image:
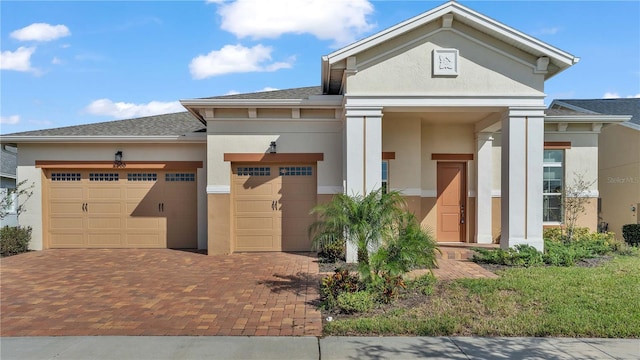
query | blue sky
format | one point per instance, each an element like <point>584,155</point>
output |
<point>79,62</point>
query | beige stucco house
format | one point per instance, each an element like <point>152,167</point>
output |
<point>446,107</point>
<point>618,159</point>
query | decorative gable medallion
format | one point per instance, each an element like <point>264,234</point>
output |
<point>445,62</point>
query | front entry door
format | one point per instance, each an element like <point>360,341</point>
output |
<point>451,201</point>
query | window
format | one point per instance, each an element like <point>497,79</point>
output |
<point>385,176</point>
<point>296,171</point>
<point>553,186</point>
<point>65,176</point>
<point>104,176</point>
<point>142,176</point>
<point>188,177</point>
<point>254,171</point>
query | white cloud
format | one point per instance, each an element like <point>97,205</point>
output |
<point>19,60</point>
<point>340,21</point>
<point>41,32</point>
<point>548,31</point>
<point>268,88</point>
<point>236,59</point>
<point>615,95</point>
<point>232,92</point>
<point>122,110</point>
<point>10,120</point>
<point>56,60</point>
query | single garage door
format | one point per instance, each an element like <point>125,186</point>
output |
<point>121,209</point>
<point>271,206</point>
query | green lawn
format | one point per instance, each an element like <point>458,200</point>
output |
<point>602,301</point>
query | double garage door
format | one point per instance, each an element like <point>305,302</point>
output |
<point>121,209</point>
<point>271,205</point>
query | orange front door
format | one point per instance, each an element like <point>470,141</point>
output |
<point>451,201</point>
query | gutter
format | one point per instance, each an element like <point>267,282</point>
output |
<point>102,139</point>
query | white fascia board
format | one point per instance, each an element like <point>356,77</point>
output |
<point>631,125</point>
<point>586,119</point>
<point>444,101</point>
<point>103,139</point>
<point>312,101</point>
<point>570,107</point>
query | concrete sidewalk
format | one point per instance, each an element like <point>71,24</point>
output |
<point>263,347</point>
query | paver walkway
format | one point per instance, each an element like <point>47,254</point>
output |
<point>158,292</point>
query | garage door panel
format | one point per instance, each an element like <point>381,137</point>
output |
<point>104,240</point>
<point>111,191</point>
<point>254,223</point>
<point>104,223</point>
<point>67,193</point>
<point>66,208</point>
<point>143,223</point>
<point>256,243</point>
<point>104,208</point>
<point>59,223</point>
<point>149,240</point>
<point>249,206</point>
<point>67,240</point>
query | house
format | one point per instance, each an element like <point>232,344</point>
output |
<point>8,182</point>
<point>618,159</point>
<point>447,107</point>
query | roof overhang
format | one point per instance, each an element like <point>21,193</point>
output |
<point>317,101</point>
<point>12,140</point>
<point>587,118</point>
<point>459,13</point>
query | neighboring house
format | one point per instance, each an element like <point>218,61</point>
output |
<point>447,107</point>
<point>8,157</point>
<point>618,159</point>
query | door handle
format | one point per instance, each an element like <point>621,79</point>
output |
<point>162,206</point>
<point>461,213</point>
<point>159,207</point>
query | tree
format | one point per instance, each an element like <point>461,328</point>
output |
<point>574,200</point>
<point>20,194</point>
<point>376,223</point>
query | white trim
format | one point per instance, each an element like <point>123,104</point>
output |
<point>105,139</point>
<point>429,193</point>
<point>440,101</point>
<point>329,190</point>
<point>631,125</point>
<point>409,192</point>
<point>218,189</point>
<point>496,193</point>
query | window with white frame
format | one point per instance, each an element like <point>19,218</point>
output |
<point>553,186</point>
<point>385,176</point>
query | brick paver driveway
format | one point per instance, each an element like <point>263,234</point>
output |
<point>158,292</point>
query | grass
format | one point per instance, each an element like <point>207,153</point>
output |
<point>601,301</point>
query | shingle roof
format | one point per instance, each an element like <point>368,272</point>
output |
<point>159,125</point>
<point>564,112</point>
<point>629,106</point>
<point>8,163</point>
<point>295,93</point>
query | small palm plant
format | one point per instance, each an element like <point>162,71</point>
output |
<point>369,222</point>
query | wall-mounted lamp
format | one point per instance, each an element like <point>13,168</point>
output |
<point>272,147</point>
<point>118,158</point>
<point>633,208</point>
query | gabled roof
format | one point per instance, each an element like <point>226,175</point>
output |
<point>152,128</point>
<point>294,93</point>
<point>629,106</point>
<point>332,77</point>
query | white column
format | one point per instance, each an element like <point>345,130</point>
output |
<point>521,182</point>
<point>363,155</point>
<point>484,174</point>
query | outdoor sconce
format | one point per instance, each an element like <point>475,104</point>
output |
<point>272,147</point>
<point>118,158</point>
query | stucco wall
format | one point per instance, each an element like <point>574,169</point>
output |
<point>404,66</point>
<point>619,174</point>
<point>29,153</point>
<point>402,134</point>
<point>291,136</point>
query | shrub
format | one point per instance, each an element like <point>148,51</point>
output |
<point>14,240</point>
<point>333,251</point>
<point>341,281</point>
<point>631,234</point>
<point>352,302</point>
<point>387,286</point>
